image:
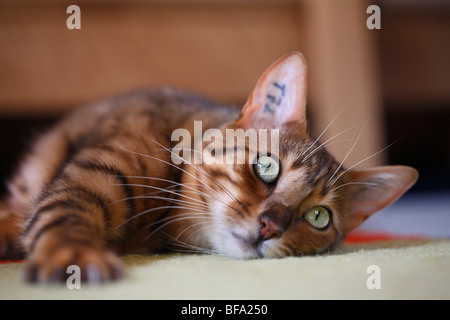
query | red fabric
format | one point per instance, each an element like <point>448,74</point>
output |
<point>11,261</point>
<point>360,237</point>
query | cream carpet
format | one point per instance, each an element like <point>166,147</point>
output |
<point>407,270</point>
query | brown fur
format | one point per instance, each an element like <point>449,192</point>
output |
<point>102,183</point>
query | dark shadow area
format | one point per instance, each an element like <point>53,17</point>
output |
<point>422,140</point>
<point>16,137</point>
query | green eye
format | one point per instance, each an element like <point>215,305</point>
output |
<point>318,217</point>
<point>267,169</point>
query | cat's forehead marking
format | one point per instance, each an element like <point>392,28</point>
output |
<point>306,177</point>
<point>292,182</point>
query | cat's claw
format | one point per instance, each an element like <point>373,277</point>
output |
<point>92,266</point>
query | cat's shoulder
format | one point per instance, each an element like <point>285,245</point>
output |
<point>164,96</point>
<point>161,98</point>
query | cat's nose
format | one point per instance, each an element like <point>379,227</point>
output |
<point>268,228</point>
<point>274,221</point>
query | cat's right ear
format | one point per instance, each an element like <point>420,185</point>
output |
<point>370,190</point>
<point>279,95</point>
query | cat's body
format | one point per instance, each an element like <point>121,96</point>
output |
<point>103,181</point>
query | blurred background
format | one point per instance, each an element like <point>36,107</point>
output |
<point>390,86</point>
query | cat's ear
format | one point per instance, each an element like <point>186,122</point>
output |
<point>279,95</point>
<point>371,190</point>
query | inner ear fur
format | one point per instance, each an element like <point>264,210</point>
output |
<point>279,95</point>
<point>370,190</point>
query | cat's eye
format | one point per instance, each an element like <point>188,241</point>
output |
<point>267,169</point>
<point>318,217</point>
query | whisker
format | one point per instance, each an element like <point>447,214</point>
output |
<point>194,250</point>
<point>172,165</point>
<point>324,143</point>
<point>191,249</point>
<point>198,169</point>
<point>161,198</point>
<point>194,225</point>
<point>171,221</point>
<point>152,210</point>
<point>174,217</point>
<point>181,158</point>
<point>332,121</point>
<point>323,146</point>
<point>192,190</point>
<point>351,183</point>
<point>351,147</point>
<point>159,192</point>
<point>205,204</point>
<point>218,184</point>
<point>175,184</point>
<point>186,245</point>
<point>359,162</point>
<point>157,188</point>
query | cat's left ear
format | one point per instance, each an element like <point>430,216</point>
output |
<point>279,95</point>
<point>371,190</point>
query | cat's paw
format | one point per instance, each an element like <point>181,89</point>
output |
<point>94,265</point>
<point>10,248</point>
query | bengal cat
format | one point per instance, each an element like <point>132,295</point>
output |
<point>105,182</point>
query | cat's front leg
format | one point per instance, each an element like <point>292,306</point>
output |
<point>54,253</point>
<point>10,230</point>
<point>69,226</point>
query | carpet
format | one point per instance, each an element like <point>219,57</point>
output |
<point>401,269</point>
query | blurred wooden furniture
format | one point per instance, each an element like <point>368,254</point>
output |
<point>212,47</point>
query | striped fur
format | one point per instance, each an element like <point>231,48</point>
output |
<point>102,183</point>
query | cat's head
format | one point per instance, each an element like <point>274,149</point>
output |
<point>297,199</point>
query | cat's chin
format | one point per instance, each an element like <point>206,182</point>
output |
<point>245,249</point>
<point>236,246</point>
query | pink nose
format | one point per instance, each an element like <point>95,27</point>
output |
<point>268,228</point>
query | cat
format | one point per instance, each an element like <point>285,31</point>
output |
<point>103,183</point>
